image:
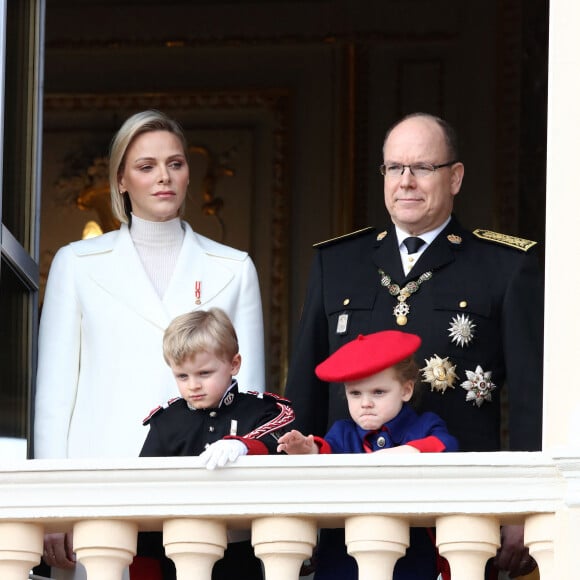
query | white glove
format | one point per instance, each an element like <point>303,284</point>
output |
<point>222,452</point>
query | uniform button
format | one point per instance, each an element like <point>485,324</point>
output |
<point>346,302</point>
<point>212,414</point>
<point>211,428</point>
<point>463,304</point>
<point>381,441</point>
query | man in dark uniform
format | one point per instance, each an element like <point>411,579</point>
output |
<point>475,299</point>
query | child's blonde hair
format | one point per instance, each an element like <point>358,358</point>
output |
<point>200,331</point>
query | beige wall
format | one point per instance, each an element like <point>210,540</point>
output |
<point>562,331</point>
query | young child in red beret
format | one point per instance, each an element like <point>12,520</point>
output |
<point>379,374</point>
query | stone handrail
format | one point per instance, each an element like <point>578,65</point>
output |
<point>284,500</point>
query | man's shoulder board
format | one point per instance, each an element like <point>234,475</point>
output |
<point>511,241</point>
<point>348,236</point>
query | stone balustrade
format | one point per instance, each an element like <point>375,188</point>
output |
<point>283,501</point>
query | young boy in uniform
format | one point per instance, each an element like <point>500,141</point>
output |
<point>212,418</point>
<point>379,374</point>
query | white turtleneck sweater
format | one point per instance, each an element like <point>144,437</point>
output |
<point>158,245</point>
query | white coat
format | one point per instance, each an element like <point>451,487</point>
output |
<point>101,367</point>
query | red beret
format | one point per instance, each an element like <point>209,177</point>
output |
<point>367,355</point>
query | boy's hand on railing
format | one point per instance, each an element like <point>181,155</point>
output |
<point>222,452</point>
<point>399,450</point>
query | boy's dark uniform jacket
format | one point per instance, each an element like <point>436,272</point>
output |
<point>176,430</point>
<point>497,287</point>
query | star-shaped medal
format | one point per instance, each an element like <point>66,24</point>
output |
<point>461,331</point>
<point>439,373</point>
<point>478,386</point>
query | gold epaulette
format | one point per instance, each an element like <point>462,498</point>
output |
<point>344,237</point>
<point>511,241</point>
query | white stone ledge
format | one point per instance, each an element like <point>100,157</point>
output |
<point>324,487</point>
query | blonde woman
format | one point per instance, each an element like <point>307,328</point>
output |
<point>109,299</point>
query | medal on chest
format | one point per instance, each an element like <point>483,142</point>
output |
<point>198,292</point>
<point>478,386</point>
<point>402,309</point>
<point>439,373</point>
<point>462,330</point>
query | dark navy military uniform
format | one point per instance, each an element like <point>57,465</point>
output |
<point>176,430</point>
<point>497,288</point>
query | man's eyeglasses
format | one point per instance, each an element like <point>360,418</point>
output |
<point>416,169</point>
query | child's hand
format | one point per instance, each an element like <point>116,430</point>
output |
<point>294,443</point>
<point>222,452</point>
<point>399,449</point>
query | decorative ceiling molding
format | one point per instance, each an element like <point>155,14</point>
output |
<point>216,38</point>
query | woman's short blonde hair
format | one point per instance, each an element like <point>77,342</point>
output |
<point>200,331</point>
<point>137,124</point>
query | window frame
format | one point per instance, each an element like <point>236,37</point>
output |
<point>21,256</point>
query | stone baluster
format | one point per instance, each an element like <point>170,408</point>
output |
<point>194,545</point>
<point>21,548</point>
<point>467,542</point>
<point>376,542</point>
<point>539,533</point>
<point>105,547</point>
<point>283,543</point>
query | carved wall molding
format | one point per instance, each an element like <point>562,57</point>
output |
<point>168,42</point>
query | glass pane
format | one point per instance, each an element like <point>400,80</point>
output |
<point>19,194</point>
<point>15,347</point>
<point>18,133</point>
